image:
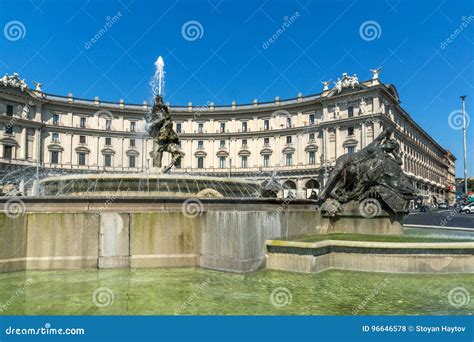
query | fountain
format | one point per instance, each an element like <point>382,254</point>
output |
<point>157,182</point>
<point>158,218</point>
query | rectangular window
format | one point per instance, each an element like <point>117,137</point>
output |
<point>82,123</point>
<point>244,126</point>
<point>200,144</point>
<point>244,161</point>
<point>350,111</point>
<point>108,160</point>
<point>266,160</point>
<point>350,131</point>
<point>55,119</point>
<point>108,141</point>
<point>200,127</point>
<point>81,158</point>
<point>133,125</point>
<point>288,139</point>
<point>288,122</point>
<point>244,143</point>
<point>222,162</point>
<point>9,110</point>
<point>55,137</point>
<point>311,157</point>
<point>132,142</point>
<point>82,139</point>
<point>222,127</point>
<point>289,159</point>
<point>54,157</point>
<point>200,162</point>
<point>266,125</point>
<point>311,136</point>
<point>350,149</point>
<point>7,151</point>
<point>108,125</point>
<point>8,129</point>
<point>178,128</point>
<point>311,119</point>
<point>266,141</point>
<point>222,144</point>
<point>131,161</point>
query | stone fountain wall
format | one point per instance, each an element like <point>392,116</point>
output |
<point>224,235</point>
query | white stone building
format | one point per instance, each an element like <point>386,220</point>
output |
<point>296,141</point>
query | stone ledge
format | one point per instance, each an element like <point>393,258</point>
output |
<point>392,257</point>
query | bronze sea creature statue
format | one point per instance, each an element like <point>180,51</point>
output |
<point>160,127</point>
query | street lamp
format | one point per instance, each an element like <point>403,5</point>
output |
<point>463,97</point>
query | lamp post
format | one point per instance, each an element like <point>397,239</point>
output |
<point>463,97</point>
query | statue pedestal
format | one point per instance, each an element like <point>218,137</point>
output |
<point>353,220</point>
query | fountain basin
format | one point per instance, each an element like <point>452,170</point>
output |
<point>144,184</point>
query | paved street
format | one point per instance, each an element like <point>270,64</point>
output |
<point>442,218</point>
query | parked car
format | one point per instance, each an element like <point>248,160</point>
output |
<point>468,208</point>
<point>443,206</point>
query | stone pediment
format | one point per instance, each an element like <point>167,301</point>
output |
<point>55,147</point>
<point>131,152</point>
<point>311,147</point>
<point>9,141</point>
<point>350,142</point>
<point>82,149</point>
<point>266,151</point>
<point>107,151</point>
<point>244,152</point>
<point>200,153</point>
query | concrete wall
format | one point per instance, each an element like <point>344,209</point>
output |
<point>231,240</point>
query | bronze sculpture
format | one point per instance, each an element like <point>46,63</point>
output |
<point>160,127</point>
<point>372,173</point>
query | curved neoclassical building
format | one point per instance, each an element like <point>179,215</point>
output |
<point>295,141</point>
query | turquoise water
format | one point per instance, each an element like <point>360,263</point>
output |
<point>204,292</point>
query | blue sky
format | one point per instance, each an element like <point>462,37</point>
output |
<point>231,58</point>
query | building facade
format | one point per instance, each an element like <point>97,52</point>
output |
<point>295,141</point>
